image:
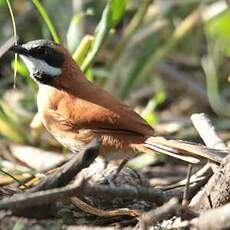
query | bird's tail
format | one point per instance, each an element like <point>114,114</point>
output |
<point>187,151</point>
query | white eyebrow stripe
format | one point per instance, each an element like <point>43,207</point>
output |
<point>32,63</point>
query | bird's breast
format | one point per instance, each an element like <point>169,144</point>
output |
<point>45,103</point>
<point>73,144</point>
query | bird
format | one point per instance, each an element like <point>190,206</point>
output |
<point>75,111</point>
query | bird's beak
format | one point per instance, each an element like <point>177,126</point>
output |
<point>19,49</point>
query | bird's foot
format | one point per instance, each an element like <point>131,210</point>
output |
<point>98,167</point>
<point>118,170</point>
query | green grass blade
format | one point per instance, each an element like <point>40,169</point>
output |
<point>15,37</point>
<point>47,20</point>
<point>14,178</point>
<point>10,127</point>
<point>10,133</point>
<point>111,15</point>
<point>129,31</point>
<point>82,50</point>
<point>180,32</point>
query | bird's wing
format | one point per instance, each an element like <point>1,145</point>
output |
<point>100,112</point>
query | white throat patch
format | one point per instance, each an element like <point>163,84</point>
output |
<point>33,63</point>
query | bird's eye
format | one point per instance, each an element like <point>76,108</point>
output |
<point>41,50</point>
<point>46,51</point>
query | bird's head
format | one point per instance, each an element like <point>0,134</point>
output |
<point>45,60</point>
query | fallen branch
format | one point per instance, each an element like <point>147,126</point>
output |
<point>50,196</point>
<point>166,211</point>
<point>64,174</point>
<point>206,131</point>
<point>59,178</point>
<point>216,191</point>
<point>214,219</point>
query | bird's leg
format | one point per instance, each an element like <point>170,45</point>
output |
<point>120,167</point>
<point>101,164</point>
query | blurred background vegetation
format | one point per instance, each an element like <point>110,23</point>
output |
<point>166,58</point>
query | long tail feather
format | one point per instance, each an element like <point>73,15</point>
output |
<point>170,152</point>
<point>187,151</point>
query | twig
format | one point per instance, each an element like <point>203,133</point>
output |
<point>167,210</point>
<point>6,46</point>
<point>186,191</point>
<point>195,178</point>
<point>68,171</point>
<point>98,212</point>
<point>206,131</point>
<point>194,186</point>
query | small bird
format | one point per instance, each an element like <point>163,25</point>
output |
<point>75,111</point>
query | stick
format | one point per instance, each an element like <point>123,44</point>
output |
<point>166,211</point>
<point>206,131</point>
<point>216,192</point>
<point>62,176</point>
<point>214,219</point>
<point>59,178</point>
<point>7,45</point>
<point>53,195</point>
<point>108,213</point>
<point>70,169</point>
<point>186,191</point>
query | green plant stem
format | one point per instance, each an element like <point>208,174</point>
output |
<point>47,20</point>
<point>183,29</point>
<point>111,15</point>
<point>98,41</point>
<point>130,30</point>
<point>15,39</point>
<point>12,130</point>
<point>218,105</point>
<point>14,178</point>
<point>83,49</point>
